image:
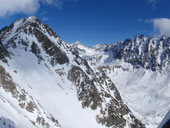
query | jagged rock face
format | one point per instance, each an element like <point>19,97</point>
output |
<point>110,115</point>
<point>87,91</point>
<point>148,52</point>
<point>3,53</point>
<point>57,55</point>
<point>100,93</point>
<point>33,27</point>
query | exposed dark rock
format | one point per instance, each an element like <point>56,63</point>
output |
<point>57,55</point>
<point>30,107</point>
<point>3,53</point>
<point>50,31</point>
<point>114,112</point>
<point>86,89</point>
<point>36,51</point>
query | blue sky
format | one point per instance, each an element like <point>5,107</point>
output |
<point>93,21</point>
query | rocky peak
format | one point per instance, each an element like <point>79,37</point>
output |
<point>28,26</point>
<point>99,47</point>
<point>148,52</point>
<point>29,33</point>
<point>76,43</point>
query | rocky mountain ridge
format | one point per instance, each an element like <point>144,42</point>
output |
<point>140,51</point>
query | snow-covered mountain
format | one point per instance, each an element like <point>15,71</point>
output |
<point>44,83</point>
<point>140,68</point>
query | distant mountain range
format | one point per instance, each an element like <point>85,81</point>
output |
<point>139,67</point>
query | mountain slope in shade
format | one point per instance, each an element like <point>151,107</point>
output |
<point>140,69</point>
<point>165,122</point>
<point>6,123</point>
<point>45,83</point>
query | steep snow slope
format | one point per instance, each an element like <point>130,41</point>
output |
<point>50,86</point>
<point>140,69</point>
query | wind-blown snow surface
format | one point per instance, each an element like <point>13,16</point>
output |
<point>145,91</point>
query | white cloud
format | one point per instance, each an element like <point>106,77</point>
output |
<point>10,7</point>
<point>162,26</point>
